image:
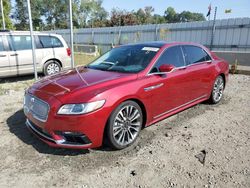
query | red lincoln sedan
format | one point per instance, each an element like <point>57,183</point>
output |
<point>126,89</point>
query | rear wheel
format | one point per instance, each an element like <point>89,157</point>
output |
<point>124,125</point>
<point>218,89</point>
<point>52,67</point>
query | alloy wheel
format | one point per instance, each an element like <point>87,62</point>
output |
<point>218,89</point>
<point>127,125</point>
<point>53,68</point>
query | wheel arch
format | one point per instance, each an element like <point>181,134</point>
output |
<point>224,78</point>
<point>143,108</point>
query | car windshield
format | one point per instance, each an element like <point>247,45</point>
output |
<point>125,59</point>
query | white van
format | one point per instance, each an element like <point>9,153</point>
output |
<point>52,53</point>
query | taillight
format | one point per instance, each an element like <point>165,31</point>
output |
<point>68,51</point>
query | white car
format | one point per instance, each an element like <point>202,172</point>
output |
<point>52,53</point>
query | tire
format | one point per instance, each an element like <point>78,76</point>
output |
<point>124,125</point>
<point>52,67</point>
<point>217,92</point>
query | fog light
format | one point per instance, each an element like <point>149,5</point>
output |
<point>73,138</point>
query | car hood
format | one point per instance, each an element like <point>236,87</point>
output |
<point>74,79</point>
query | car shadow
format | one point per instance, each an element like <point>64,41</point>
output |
<point>16,124</point>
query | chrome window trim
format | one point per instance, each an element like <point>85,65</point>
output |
<point>173,109</point>
<point>200,62</point>
<point>183,56</point>
<point>33,115</point>
<point>185,63</point>
<point>161,73</point>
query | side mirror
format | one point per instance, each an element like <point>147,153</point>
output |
<point>166,68</point>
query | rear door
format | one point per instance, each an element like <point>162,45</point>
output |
<point>4,59</point>
<point>199,68</point>
<point>51,46</point>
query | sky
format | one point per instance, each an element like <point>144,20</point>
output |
<point>240,8</point>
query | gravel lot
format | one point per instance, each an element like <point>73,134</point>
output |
<point>170,153</point>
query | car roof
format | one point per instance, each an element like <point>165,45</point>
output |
<point>26,32</point>
<point>160,44</point>
<point>156,44</point>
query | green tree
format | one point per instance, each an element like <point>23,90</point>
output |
<point>140,16</point>
<point>144,16</point>
<point>91,14</point>
<point>122,18</point>
<point>170,15</point>
<point>187,16</point>
<point>56,14</point>
<point>21,17</point>
<point>98,17</point>
<point>6,10</point>
<point>158,19</point>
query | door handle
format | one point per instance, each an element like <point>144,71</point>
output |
<point>209,61</point>
<point>3,55</point>
<point>13,54</point>
<point>153,87</point>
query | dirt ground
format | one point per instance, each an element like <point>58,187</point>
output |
<point>167,154</point>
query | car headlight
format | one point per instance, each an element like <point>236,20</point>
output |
<point>80,108</point>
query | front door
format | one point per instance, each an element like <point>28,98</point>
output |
<point>168,91</point>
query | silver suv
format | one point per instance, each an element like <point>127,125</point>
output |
<point>52,53</point>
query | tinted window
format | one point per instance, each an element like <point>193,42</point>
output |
<point>20,42</point>
<point>172,55</point>
<point>1,44</point>
<point>50,42</point>
<point>195,54</point>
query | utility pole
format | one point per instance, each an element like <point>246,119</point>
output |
<point>71,34</point>
<point>32,40</point>
<point>213,29</point>
<point>2,15</point>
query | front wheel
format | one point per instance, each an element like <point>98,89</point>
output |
<point>217,91</point>
<point>124,125</point>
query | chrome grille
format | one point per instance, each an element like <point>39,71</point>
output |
<point>38,108</point>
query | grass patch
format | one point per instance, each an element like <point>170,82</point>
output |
<point>83,59</point>
<point>23,82</point>
<point>3,91</point>
<point>15,85</point>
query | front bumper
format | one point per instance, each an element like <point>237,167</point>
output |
<point>68,131</point>
<point>53,132</point>
<point>63,142</point>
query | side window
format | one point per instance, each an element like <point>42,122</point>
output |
<point>172,55</point>
<point>195,54</point>
<point>50,42</point>
<point>1,44</point>
<point>20,42</point>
